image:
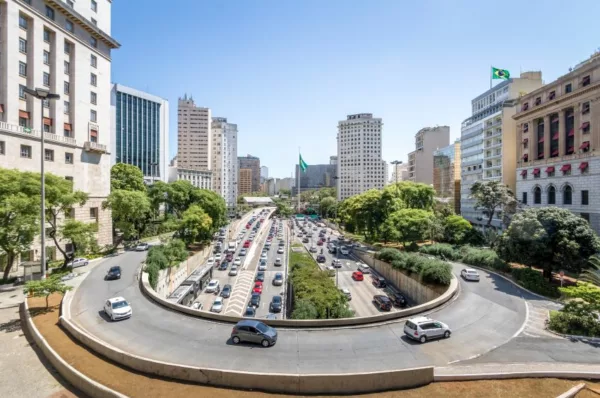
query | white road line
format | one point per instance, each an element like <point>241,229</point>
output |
<point>518,332</point>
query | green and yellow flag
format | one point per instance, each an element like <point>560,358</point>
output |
<point>302,164</point>
<point>500,73</point>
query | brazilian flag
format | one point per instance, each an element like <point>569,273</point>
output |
<point>302,164</point>
<point>500,74</point>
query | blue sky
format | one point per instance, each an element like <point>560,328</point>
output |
<point>287,71</point>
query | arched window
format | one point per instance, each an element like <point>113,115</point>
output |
<point>537,196</point>
<point>551,195</point>
<point>568,195</point>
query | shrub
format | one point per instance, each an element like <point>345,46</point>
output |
<point>152,271</point>
<point>443,250</point>
<point>388,255</point>
<point>485,258</point>
<point>436,272</point>
<point>534,281</point>
<point>568,323</point>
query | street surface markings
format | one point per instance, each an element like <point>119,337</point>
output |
<point>239,296</point>
<point>538,314</point>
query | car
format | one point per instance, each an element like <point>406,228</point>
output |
<point>262,266</point>
<point>113,273</point>
<point>78,262</point>
<point>321,259</point>
<point>117,308</point>
<point>423,328</point>
<point>251,239</point>
<point>346,292</point>
<point>218,257</point>
<point>226,292</point>
<point>280,250</point>
<point>252,331</point>
<point>217,305</point>
<point>313,249</point>
<point>333,250</point>
<point>281,243</point>
<point>247,225</point>
<point>364,268</point>
<point>305,240</point>
<point>470,274</point>
<point>278,262</point>
<point>397,299</point>
<point>263,255</point>
<point>344,250</point>
<point>237,261</point>
<point>250,312</point>
<point>254,300</point>
<point>358,276</point>
<point>336,263</point>
<point>258,288</point>
<point>320,243</point>
<point>260,276</point>
<point>223,266</point>
<point>213,286</point>
<point>299,233</point>
<point>229,257</point>
<point>382,302</point>
<point>142,247</point>
<point>247,244</point>
<point>378,281</point>
<point>197,306</point>
<point>278,279</point>
<point>243,252</point>
<point>233,271</point>
<point>276,304</point>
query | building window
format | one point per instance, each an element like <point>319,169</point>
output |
<point>93,115</point>
<point>67,47</point>
<point>94,213</point>
<point>68,158</point>
<point>49,155</point>
<point>525,106</point>
<point>22,22</point>
<point>537,196</point>
<point>93,79</point>
<point>22,69</point>
<point>94,5</point>
<point>585,127</point>
<point>93,42</point>
<point>524,199</point>
<point>46,79</point>
<point>552,95</point>
<point>67,88</point>
<point>568,88</point>
<point>50,12</point>
<point>23,121</point>
<point>585,108</point>
<point>585,81</point>
<point>46,103</point>
<point>93,97</point>
<point>2,148</point>
<point>26,151</point>
<point>93,61</point>
<point>584,167</point>
<point>23,45</point>
<point>551,195</point>
<point>46,57</point>
<point>67,68</point>
<point>66,106</point>
<point>568,195</point>
<point>46,35</point>
<point>585,197</point>
<point>94,22</point>
<point>538,100</point>
<point>46,127</point>
<point>69,26</point>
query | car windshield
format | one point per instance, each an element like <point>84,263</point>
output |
<point>113,269</point>
<point>262,327</point>
<point>249,311</point>
<point>276,299</point>
<point>119,304</point>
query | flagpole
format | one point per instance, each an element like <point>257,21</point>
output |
<point>491,75</point>
<point>298,178</point>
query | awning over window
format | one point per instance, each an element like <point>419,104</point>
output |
<point>583,166</point>
<point>585,145</point>
<point>536,172</point>
<point>585,125</point>
<point>571,133</point>
<point>570,149</point>
<point>67,126</point>
<point>550,169</point>
<point>525,157</point>
<point>565,167</point>
<point>555,136</point>
<point>541,140</point>
<point>526,140</point>
<point>47,121</point>
<point>24,115</point>
<point>555,152</point>
<point>523,173</point>
<point>94,133</point>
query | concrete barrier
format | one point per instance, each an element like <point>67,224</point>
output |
<point>351,383</point>
<point>69,373</point>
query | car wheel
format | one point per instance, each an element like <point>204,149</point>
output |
<point>112,318</point>
<point>236,340</point>
<point>265,343</point>
<point>423,339</point>
<point>446,334</point>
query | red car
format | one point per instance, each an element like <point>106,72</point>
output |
<point>229,258</point>
<point>247,244</point>
<point>257,288</point>
<point>358,276</point>
<point>247,225</point>
<point>319,243</point>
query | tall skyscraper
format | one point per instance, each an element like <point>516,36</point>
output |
<point>245,182</point>
<point>420,161</point>
<point>359,166</point>
<point>140,131</point>
<point>488,140</point>
<point>446,175</point>
<point>194,136</point>
<point>65,49</point>
<point>264,173</point>
<point>252,163</point>
<point>224,160</point>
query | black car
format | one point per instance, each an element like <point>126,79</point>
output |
<point>275,304</point>
<point>305,240</point>
<point>321,258</point>
<point>226,292</point>
<point>260,276</point>
<point>397,299</point>
<point>382,302</point>
<point>250,312</point>
<point>113,273</point>
<point>254,300</point>
<point>379,282</point>
<point>333,250</point>
<point>223,266</point>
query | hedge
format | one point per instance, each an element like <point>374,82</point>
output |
<point>533,280</point>
<point>430,270</point>
<point>485,258</point>
<point>567,323</point>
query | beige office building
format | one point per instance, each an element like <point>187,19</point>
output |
<point>446,175</point>
<point>558,133</point>
<point>245,182</point>
<point>65,48</point>
<point>194,136</point>
<point>420,161</point>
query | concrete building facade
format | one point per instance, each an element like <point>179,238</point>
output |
<point>316,176</point>
<point>488,141</point>
<point>140,131</point>
<point>446,175</point>
<point>360,166</point>
<point>420,161</point>
<point>333,160</point>
<point>287,183</point>
<point>245,181</point>
<point>199,178</point>
<point>194,136</point>
<point>65,48</point>
<point>224,160</point>
<point>252,163</point>
<point>558,138</point>
<point>264,173</point>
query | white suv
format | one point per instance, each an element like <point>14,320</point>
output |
<point>423,329</point>
<point>212,287</point>
<point>117,308</point>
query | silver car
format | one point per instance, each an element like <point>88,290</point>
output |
<point>423,329</point>
<point>470,274</point>
<point>253,332</point>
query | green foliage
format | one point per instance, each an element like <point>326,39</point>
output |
<point>46,287</point>
<point>162,257</point>
<point>80,234</point>
<point>571,323</point>
<point>283,209</point>
<point>412,224</point>
<point>195,225</point>
<point>416,195</point>
<point>152,271</point>
<point>533,280</point>
<point>592,275</point>
<point>175,251</point>
<point>327,206</point>
<point>430,270</point>
<point>304,309</point>
<point>492,197</point>
<point>126,177</point>
<point>585,292</point>
<point>485,258</point>
<point>131,212</point>
<point>442,250</point>
<point>156,257</point>
<point>456,229</point>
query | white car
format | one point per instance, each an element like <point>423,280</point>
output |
<point>262,267</point>
<point>237,261</point>
<point>210,261</point>
<point>197,306</point>
<point>142,247</point>
<point>364,268</point>
<point>233,271</point>
<point>217,256</point>
<point>469,274</point>
<point>278,262</point>
<point>117,308</point>
<point>217,305</point>
<point>263,255</point>
<point>243,251</point>
<point>344,250</point>
<point>78,262</point>
<point>212,287</point>
<point>280,250</point>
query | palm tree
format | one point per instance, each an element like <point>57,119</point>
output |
<point>592,275</point>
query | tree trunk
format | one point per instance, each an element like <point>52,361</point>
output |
<point>489,223</point>
<point>47,300</point>
<point>10,257</point>
<point>547,273</point>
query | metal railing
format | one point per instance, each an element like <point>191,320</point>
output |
<point>28,132</point>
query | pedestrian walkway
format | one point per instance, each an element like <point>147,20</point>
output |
<point>539,311</point>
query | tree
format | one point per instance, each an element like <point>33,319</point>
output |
<point>175,252</point>
<point>412,224</point>
<point>285,192</point>
<point>549,237</point>
<point>126,177</point>
<point>304,309</point>
<point>46,287</point>
<point>416,195</point>
<point>456,229</point>
<point>492,197</point>
<point>213,204</point>
<point>19,213</point>
<point>131,212</point>
<point>195,225</point>
<point>60,200</point>
<point>327,205</point>
<point>326,193</point>
<point>592,275</point>
<point>435,228</point>
<point>283,209</point>
<point>389,231</point>
<point>80,234</point>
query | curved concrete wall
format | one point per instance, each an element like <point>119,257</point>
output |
<point>311,323</point>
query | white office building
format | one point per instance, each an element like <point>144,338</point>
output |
<point>63,47</point>
<point>224,160</point>
<point>359,166</point>
<point>140,131</point>
<point>199,178</point>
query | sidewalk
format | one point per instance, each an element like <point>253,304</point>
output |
<point>508,368</point>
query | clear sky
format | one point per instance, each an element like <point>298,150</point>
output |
<point>287,71</point>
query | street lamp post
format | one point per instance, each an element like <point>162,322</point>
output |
<point>42,95</point>
<point>396,163</point>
